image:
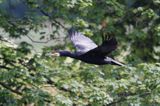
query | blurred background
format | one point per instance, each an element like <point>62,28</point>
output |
<point>31,28</point>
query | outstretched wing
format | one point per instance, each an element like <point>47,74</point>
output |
<point>105,48</point>
<point>82,43</point>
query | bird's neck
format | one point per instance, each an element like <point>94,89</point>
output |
<point>67,54</point>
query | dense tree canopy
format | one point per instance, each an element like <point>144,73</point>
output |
<point>28,78</point>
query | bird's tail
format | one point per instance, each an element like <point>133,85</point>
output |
<point>114,62</point>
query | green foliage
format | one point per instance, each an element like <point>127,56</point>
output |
<point>102,86</point>
<point>35,79</point>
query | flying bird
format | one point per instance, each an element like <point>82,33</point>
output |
<point>87,51</point>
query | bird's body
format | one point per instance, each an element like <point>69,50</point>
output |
<point>89,52</point>
<point>99,60</point>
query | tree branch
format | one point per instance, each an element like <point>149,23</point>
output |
<point>58,23</point>
<point>38,41</point>
<point>5,39</point>
<point>4,67</point>
<point>12,90</point>
<point>42,41</point>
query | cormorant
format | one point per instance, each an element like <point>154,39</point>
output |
<point>87,51</point>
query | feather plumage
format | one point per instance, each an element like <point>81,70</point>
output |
<point>82,43</point>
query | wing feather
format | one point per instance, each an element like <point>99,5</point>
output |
<point>82,43</point>
<point>105,48</point>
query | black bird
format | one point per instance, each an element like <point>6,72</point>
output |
<point>87,51</point>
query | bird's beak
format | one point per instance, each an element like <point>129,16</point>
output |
<point>53,54</point>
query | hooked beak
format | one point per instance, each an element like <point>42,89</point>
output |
<point>53,54</point>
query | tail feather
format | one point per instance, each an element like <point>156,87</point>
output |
<point>114,62</point>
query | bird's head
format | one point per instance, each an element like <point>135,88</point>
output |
<point>55,53</point>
